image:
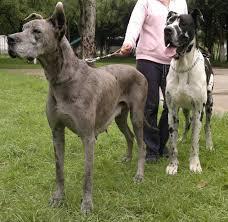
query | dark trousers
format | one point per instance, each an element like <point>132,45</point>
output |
<point>155,135</point>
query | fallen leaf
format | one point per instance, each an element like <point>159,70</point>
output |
<point>202,184</point>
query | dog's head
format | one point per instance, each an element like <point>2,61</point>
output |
<point>180,31</point>
<point>39,36</point>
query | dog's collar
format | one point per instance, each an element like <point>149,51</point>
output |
<point>188,69</point>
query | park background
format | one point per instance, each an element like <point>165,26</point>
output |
<point>27,169</point>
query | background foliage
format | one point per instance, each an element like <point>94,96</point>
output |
<point>113,17</point>
<point>215,29</point>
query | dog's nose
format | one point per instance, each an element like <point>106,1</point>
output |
<point>168,30</point>
<point>11,39</point>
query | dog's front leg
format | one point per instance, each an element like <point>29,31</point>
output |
<point>58,142</point>
<point>87,203</point>
<point>194,153</point>
<point>171,169</point>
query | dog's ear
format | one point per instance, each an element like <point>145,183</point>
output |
<point>170,14</point>
<point>197,17</point>
<point>58,20</point>
<point>33,16</point>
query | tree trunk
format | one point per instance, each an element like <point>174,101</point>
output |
<point>227,49</point>
<point>222,52</point>
<point>87,27</point>
<point>226,36</point>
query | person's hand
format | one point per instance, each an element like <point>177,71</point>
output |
<point>126,49</point>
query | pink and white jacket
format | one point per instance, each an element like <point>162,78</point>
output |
<point>148,22</point>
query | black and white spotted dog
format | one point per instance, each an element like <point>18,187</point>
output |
<point>189,86</point>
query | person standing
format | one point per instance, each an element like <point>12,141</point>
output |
<point>145,32</point>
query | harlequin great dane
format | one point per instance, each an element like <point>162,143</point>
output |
<point>81,98</point>
<point>189,86</point>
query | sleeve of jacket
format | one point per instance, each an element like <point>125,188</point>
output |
<point>136,21</point>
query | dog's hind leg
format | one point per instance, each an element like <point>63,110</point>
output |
<point>58,142</point>
<point>121,122</point>
<point>137,117</point>
<point>171,169</point>
<point>194,153</point>
<point>208,108</point>
<point>187,125</point>
<point>87,202</point>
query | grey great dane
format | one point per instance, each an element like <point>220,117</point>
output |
<point>189,86</point>
<point>81,98</point>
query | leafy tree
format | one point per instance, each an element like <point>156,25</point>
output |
<point>112,19</point>
<point>11,15</point>
<point>216,20</point>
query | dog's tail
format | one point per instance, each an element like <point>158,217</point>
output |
<point>209,74</point>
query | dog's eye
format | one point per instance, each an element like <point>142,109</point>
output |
<point>36,31</point>
<point>172,19</point>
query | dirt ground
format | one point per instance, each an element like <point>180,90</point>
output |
<point>221,91</point>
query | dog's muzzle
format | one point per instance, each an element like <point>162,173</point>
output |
<point>11,40</point>
<point>168,35</point>
<point>11,43</point>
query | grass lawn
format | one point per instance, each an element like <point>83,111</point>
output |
<point>8,63</point>
<point>220,64</point>
<point>27,170</point>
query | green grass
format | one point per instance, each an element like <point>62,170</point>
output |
<point>8,63</point>
<point>28,175</point>
<point>220,64</point>
<point>116,60</point>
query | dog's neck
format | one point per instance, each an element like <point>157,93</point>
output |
<point>62,57</point>
<point>188,57</point>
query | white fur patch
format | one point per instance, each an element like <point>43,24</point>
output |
<point>186,35</point>
<point>211,83</point>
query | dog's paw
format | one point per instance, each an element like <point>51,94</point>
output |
<point>171,169</point>
<point>195,166</point>
<point>86,206</point>
<point>138,178</point>
<point>56,200</point>
<point>126,159</point>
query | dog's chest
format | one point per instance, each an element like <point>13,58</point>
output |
<point>186,81</point>
<point>71,109</point>
<point>185,89</point>
<point>183,94</point>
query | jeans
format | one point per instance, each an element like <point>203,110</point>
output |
<point>155,135</point>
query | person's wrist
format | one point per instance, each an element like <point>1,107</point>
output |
<point>126,48</point>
